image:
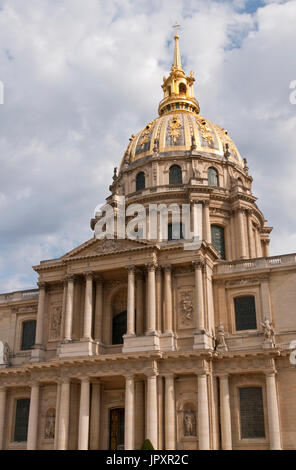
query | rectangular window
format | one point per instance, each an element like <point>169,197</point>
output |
<point>245,313</point>
<point>21,420</point>
<point>28,335</point>
<point>251,413</point>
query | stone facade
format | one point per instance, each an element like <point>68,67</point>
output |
<point>176,377</point>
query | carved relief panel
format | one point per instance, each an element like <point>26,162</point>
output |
<point>185,307</point>
<point>55,322</point>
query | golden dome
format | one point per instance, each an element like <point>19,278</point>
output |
<point>181,131</point>
<point>179,127</point>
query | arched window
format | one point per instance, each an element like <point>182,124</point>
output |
<point>175,232</point>
<point>140,181</point>
<point>175,174</point>
<point>119,327</point>
<point>251,413</point>
<point>28,335</point>
<point>182,88</point>
<point>245,313</point>
<point>21,420</point>
<point>213,179</point>
<point>218,239</point>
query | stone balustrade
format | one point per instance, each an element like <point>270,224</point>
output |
<point>19,296</point>
<point>254,264</point>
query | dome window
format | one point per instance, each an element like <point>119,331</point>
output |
<point>182,89</point>
<point>175,175</point>
<point>140,181</point>
<point>213,179</point>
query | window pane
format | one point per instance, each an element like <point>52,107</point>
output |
<point>175,232</point>
<point>119,328</point>
<point>21,420</point>
<point>212,177</point>
<point>28,337</point>
<point>245,313</point>
<point>218,239</point>
<point>251,413</point>
<point>175,175</point>
<point>140,181</point>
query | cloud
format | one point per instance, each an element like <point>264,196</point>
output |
<point>80,79</point>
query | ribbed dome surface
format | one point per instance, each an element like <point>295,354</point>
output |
<point>181,131</point>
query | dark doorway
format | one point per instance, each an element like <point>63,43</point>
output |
<point>119,326</point>
<point>116,431</point>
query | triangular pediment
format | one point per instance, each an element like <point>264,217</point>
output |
<point>98,247</point>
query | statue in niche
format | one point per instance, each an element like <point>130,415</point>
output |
<point>189,423</point>
<point>220,338</point>
<point>50,424</point>
<point>268,331</point>
<point>4,353</point>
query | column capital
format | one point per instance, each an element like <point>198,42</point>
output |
<point>167,267</point>
<point>206,202</point>
<point>151,266</point>
<point>249,212</point>
<point>168,375</point>
<point>42,285</point>
<point>70,277</point>
<point>88,275</point>
<point>198,264</point>
<point>84,378</point>
<point>99,279</point>
<point>270,373</point>
<point>129,376</point>
<point>131,268</point>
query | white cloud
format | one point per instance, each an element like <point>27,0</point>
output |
<point>80,78</point>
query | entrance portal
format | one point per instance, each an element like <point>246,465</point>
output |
<point>116,431</point>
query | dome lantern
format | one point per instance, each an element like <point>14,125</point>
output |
<point>178,88</point>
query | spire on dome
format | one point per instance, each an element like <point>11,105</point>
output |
<point>178,88</point>
<point>177,55</point>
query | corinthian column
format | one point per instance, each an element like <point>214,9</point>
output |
<point>129,419</point>
<point>151,416</point>
<point>206,222</point>
<point>2,415</point>
<point>225,413</point>
<point>40,314</point>
<point>242,237</point>
<point>64,415</point>
<point>83,435</point>
<point>131,301</point>
<point>88,307</point>
<point>170,417</point>
<point>151,299</point>
<point>168,319</point>
<point>69,309</point>
<point>252,250</point>
<point>33,418</point>
<point>99,310</point>
<point>199,295</point>
<point>273,413</point>
<point>203,413</point>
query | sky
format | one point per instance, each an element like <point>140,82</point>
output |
<point>80,77</point>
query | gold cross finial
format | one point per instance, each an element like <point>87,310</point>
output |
<point>176,26</point>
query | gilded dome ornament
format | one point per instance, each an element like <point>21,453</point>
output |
<point>205,130</point>
<point>175,125</point>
